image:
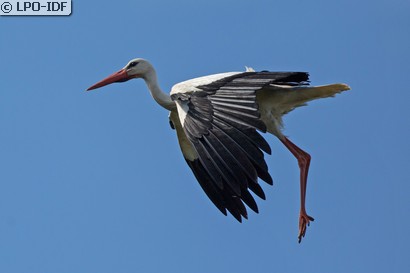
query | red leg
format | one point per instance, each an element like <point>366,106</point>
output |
<point>304,162</point>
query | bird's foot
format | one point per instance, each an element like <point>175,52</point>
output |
<point>304,221</point>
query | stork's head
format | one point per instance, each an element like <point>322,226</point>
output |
<point>136,68</point>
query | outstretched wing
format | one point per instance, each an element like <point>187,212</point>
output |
<point>217,125</point>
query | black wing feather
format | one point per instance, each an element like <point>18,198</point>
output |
<point>210,164</point>
<point>223,164</point>
<point>235,154</point>
<point>249,201</point>
<point>250,149</point>
<point>213,192</point>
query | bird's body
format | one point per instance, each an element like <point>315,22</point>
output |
<point>218,119</point>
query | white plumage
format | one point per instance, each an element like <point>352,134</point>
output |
<point>191,85</point>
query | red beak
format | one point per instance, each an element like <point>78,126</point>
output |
<point>120,76</point>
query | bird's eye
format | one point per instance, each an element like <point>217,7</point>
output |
<point>132,64</point>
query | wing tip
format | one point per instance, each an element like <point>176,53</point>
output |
<point>345,87</point>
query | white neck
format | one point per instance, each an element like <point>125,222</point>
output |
<point>159,96</point>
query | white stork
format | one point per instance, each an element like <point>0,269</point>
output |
<point>217,119</point>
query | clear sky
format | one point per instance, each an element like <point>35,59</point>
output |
<point>94,182</point>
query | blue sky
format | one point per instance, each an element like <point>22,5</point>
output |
<point>95,182</point>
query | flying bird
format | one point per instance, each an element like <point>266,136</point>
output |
<point>218,120</point>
